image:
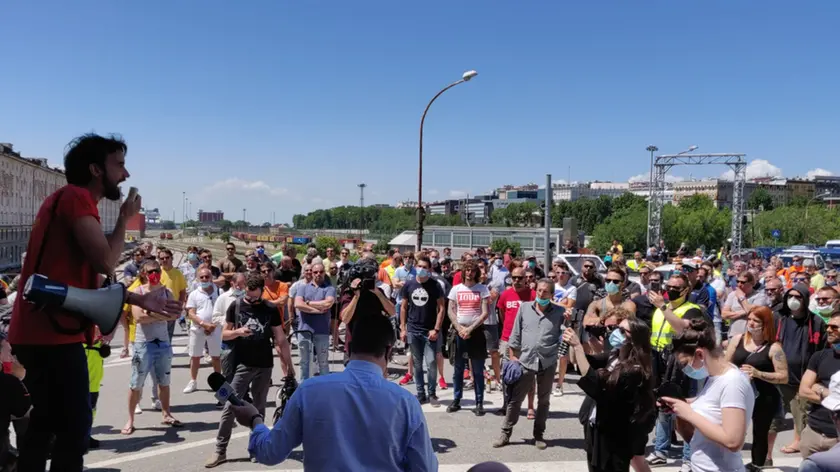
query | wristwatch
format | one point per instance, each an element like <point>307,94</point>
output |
<point>255,417</point>
<point>663,307</point>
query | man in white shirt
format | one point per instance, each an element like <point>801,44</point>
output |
<point>565,295</point>
<point>200,304</point>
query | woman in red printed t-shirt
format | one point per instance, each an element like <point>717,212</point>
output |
<point>508,307</point>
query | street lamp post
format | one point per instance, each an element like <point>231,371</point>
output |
<point>421,212</point>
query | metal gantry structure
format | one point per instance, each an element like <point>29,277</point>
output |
<point>662,164</point>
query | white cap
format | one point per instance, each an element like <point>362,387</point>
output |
<point>832,401</point>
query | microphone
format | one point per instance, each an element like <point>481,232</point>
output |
<point>224,392</point>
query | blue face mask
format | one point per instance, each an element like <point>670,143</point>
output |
<point>498,262</point>
<point>422,273</point>
<point>238,293</point>
<point>206,285</point>
<point>696,374</point>
<point>192,257</point>
<point>836,347</point>
<point>612,288</point>
<point>543,301</point>
<point>532,264</point>
<point>617,338</point>
<point>260,251</point>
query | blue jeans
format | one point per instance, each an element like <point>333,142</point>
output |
<point>151,358</point>
<point>662,437</point>
<point>322,346</point>
<point>424,350</point>
<point>477,372</point>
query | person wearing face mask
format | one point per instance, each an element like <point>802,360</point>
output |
<point>824,302</point>
<point>742,301</point>
<point>618,384</point>
<point>802,334</point>
<point>613,282</point>
<point>199,306</point>
<point>715,422</point>
<point>762,358</point>
<point>831,278</point>
<point>534,342</point>
<point>189,268</point>
<point>253,326</point>
<point>152,350</point>
<point>670,319</point>
<point>220,308</point>
<point>379,427</point>
<point>531,263</point>
<point>820,434</point>
<point>261,255</point>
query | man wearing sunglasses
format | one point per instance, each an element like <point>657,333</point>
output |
<point>827,461</point>
<point>741,301</point>
<point>314,301</point>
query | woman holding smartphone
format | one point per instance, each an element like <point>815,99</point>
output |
<point>715,422</point>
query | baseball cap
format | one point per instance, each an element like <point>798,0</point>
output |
<point>832,401</point>
<point>689,266</point>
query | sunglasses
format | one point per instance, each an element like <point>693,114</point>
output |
<point>743,282</point>
<point>516,277</point>
<point>266,271</point>
<point>588,266</point>
<point>615,281</point>
<point>153,271</point>
<point>832,327</point>
<point>824,299</point>
<point>673,287</point>
<point>315,272</point>
<point>800,279</point>
<point>230,248</point>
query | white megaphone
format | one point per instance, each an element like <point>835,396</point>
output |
<point>103,307</point>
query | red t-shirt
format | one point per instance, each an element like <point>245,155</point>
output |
<point>509,302</point>
<point>62,260</point>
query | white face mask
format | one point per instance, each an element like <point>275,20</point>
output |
<point>794,304</point>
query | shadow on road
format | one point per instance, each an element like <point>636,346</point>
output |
<point>123,444</point>
<point>443,445</point>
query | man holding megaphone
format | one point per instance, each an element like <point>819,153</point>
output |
<point>69,250</point>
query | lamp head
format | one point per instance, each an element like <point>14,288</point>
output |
<point>691,148</point>
<point>469,75</point>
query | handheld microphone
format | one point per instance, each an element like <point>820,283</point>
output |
<point>224,392</point>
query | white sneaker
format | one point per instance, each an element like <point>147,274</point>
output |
<point>138,410</point>
<point>685,467</point>
<point>190,388</point>
<point>156,405</point>
<point>558,390</point>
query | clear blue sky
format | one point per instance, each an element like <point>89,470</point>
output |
<point>287,105</point>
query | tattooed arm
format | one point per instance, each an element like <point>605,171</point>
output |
<point>780,367</point>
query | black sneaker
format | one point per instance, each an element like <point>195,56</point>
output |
<point>433,400</point>
<point>500,412</point>
<point>93,443</point>
<point>479,410</point>
<point>453,407</point>
<point>422,399</point>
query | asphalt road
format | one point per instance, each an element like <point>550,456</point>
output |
<point>460,439</point>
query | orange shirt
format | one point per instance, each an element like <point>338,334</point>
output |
<point>385,263</point>
<point>274,292</point>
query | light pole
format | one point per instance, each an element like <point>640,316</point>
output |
<point>361,210</point>
<point>244,221</point>
<point>651,149</point>
<point>421,212</point>
<point>183,210</point>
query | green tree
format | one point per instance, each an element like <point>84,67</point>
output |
<point>499,246</point>
<point>167,225</point>
<point>241,224</point>
<point>382,245</point>
<point>225,225</point>
<point>760,199</point>
<point>225,237</point>
<point>697,201</point>
<point>324,242</point>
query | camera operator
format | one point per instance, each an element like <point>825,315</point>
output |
<point>715,422</point>
<point>360,297</point>
<point>68,236</point>
<point>619,387</point>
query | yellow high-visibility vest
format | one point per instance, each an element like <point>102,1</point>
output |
<point>661,331</point>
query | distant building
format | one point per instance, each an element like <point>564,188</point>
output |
<point>24,184</point>
<point>152,216</point>
<point>576,190</point>
<point>801,188</point>
<point>210,216</point>
<point>827,184</point>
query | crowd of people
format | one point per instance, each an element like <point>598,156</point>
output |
<point>702,351</point>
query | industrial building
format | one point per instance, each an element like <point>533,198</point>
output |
<point>210,216</point>
<point>24,184</point>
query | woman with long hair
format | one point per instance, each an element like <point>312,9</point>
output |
<point>715,422</point>
<point>763,360</point>
<point>619,384</point>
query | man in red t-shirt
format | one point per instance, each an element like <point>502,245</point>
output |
<point>508,306</point>
<point>67,245</point>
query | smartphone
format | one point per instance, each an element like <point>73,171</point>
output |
<point>132,194</point>
<point>656,286</point>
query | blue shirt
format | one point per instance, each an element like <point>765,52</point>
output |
<point>355,420</point>
<point>318,323</point>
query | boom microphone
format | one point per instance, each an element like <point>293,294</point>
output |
<point>224,392</point>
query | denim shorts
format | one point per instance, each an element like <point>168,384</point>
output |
<point>150,358</point>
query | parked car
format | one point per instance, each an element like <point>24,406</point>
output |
<point>813,255</point>
<point>831,251</point>
<point>575,261</point>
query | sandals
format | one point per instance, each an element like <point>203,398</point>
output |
<point>532,415</point>
<point>128,431</point>
<point>789,450</point>
<point>170,421</point>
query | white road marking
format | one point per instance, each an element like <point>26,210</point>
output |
<point>176,350</point>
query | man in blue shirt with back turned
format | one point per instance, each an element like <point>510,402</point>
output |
<point>351,421</point>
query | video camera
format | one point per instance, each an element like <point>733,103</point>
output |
<point>365,270</point>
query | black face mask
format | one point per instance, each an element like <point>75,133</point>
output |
<point>674,295</point>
